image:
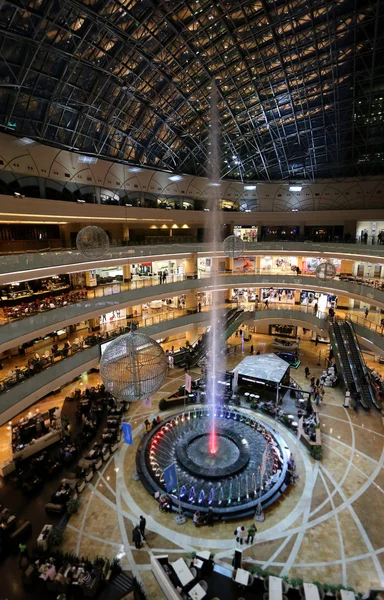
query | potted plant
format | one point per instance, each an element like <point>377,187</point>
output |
<point>317,452</point>
<point>73,506</point>
<point>56,536</point>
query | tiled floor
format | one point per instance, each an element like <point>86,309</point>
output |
<point>327,528</point>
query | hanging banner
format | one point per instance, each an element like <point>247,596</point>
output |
<point>170,478</point>
<point>300,428</point>
<point>235,377</point>
<point>188,383</point>
<point>263,464</point>
<point>127,433</point>
<point>147,403</point>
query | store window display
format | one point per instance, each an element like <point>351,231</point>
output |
<point>310,264</point>
<point>279,295</point>
<point>278,264</point>
<point>247,234</point>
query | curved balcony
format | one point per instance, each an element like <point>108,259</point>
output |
<point>24,393</point>
<point>18,332</point>
<point>42,264</point>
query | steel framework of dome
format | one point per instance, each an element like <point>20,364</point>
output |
<point>300,84</point>
<point>325,271</point>
<point>233,246</point>
<point>133,367</point>
<point>92,241</point>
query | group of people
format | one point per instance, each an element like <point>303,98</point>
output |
<point>26,309</point>
<point>149,426</point>
<point>316,387</point>
<point>240,533</point>
<point>163,276</point>
<point>199,520</point>
<point>138,533</point>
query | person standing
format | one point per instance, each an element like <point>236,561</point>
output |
<point>315,308</point>
<point>136,537</point>
<point>306,371</point>
<point>251,349</point>
<point>199,307</point>
<point>142,524</point>
<point>251,533</point>
<point>23,553</point>
<point>347,398</point>
<point>240,534</point>
<point>366,312</point>
<point>266,302</point>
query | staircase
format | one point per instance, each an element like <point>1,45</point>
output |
<point>350,363</point>
<point>118,587</point>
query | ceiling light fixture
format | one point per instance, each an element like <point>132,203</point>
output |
<point>88,160</point>
<point>175,178</point>
<point>295,188</point>
<point>249,187</point>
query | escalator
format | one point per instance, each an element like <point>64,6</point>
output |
<point>358,361</point>
<point>350,363</point>
<point>229,323</point>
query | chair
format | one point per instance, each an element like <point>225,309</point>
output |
<point>204,585</point>
<point>193,571</point>
<point>266,596</point>
<point>285,587</point>
<point>251,580</point>
<point>266,583</point>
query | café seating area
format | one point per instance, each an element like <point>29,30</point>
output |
<point>200,578</point>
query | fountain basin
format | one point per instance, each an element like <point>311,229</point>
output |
<point>229,481</point>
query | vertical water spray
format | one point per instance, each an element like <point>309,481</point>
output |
<point>214,236</point>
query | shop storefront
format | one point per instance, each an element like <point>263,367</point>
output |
<point>310,264</point>
<point>246,233</point>
<point>278,295</point>
<point>204,298</point>
<point>323,301</point>
<point>278,264</point>
<point>244,265</point>
<point>109,275</point>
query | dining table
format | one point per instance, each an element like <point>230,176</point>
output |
<point>275,588</point>
<point>347,595</point>
<point>311,591</point>
<point>242,576</point>
<point>183,573</point>
<point>197,592</point>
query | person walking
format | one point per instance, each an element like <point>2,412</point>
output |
<point>240,534</point>
<point>315,308</point>
<point>251,349</point>
<point>266,302</point>
<point>23,553</point>
<point>316,340</point>
<point>306,371</point>
<point>142,524</point>
<point>136,537</point>
<point>251,533</point>
<point>199,307</point>
<point>366,312</point>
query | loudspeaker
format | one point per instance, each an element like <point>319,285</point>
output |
<point>237,559</point>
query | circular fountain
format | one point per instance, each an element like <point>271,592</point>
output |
<point>245,468</point>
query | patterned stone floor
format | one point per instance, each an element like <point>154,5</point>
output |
<point>326,528</point>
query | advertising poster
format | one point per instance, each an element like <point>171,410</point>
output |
<point>244,265</point>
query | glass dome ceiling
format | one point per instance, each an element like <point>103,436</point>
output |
<point>300,83</point>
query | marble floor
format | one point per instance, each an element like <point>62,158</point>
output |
<point>326,528</point>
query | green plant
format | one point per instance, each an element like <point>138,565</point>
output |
<point>116,567</point>
<point>212,556</point>
<point>138,591</point>
<point>295,582</point>
<point>56,536</point>
<point>73,506</point>
<point>317,452</point>
<point>162,404</point>
<point>192,555</point>
<point>285,420</point>
<point>285,578</point>
<point>318,584</point>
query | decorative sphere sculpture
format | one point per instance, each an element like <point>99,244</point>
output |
<point>325,271</point>
<point>92,241</point>
<point>233,246</point>
<point>133,367</point>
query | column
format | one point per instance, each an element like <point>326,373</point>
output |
<point>190,265</point>
<point>127,272</point>
<point>192,334</point>
<point>191,300</point>
<point>347,267</point>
